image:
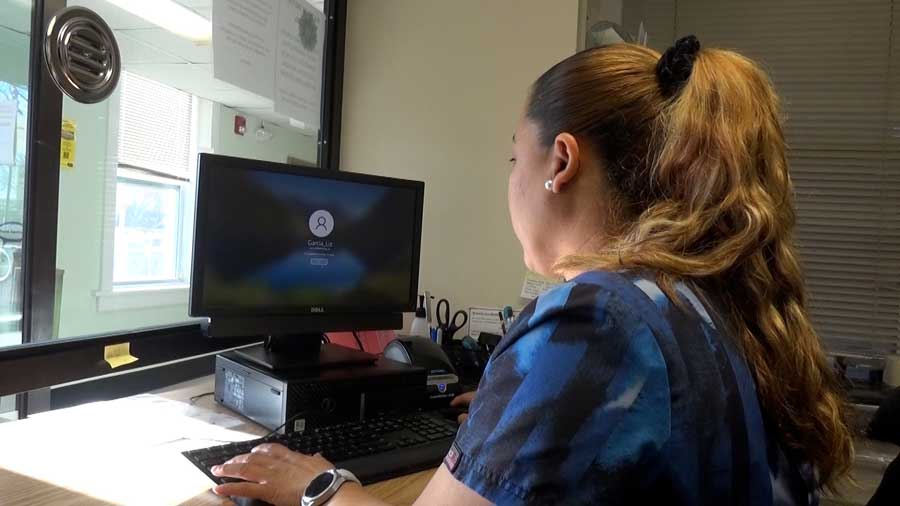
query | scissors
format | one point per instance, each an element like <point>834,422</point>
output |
<point>449,327</point>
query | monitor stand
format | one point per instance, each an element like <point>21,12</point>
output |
<point>302,351</point>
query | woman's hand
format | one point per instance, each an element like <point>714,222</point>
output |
<point>271,473</point>
<point>463,401</point>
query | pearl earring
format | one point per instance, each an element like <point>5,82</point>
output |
<point>549,185</point>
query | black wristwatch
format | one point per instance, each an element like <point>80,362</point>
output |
<point>324,486</point>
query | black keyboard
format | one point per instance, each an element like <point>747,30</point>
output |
<point>374,449</point>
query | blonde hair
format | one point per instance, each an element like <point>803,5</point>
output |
<point>702,177</point>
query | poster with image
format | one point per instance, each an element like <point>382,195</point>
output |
<point>298,62</point>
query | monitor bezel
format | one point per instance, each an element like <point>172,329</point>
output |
<point>208,163</point>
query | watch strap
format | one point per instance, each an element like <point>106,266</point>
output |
<point>348,476</point>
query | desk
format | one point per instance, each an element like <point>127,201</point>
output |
<point>127,452</point>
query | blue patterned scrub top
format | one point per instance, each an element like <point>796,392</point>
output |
<point>604,391</point>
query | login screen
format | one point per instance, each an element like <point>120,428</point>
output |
<point>292,241</point>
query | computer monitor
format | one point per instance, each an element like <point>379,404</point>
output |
<point>287,253</point>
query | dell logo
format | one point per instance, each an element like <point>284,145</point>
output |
<point>315,309</point>
<point>328,405</point>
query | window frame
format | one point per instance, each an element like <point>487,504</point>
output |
<point>30,369</point>
<point>113,296</point>
<point>182,188</point>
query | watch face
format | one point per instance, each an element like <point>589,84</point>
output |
<point>320,484</point>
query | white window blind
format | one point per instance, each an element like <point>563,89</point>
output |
<point>835,65</point>
<point>154,126</point>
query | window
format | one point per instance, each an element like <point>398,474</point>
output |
<point>104,253</point>
<point>148,223</point>
<point>834,64</point>
<point>154,172</point>
<point>14,99</point>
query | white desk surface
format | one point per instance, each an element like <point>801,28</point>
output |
<point>127,452</point>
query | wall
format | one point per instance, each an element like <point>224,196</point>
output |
<point>604,10</point>
<point>284,141</point>
<point>432,91</point>
<point>81,211</point>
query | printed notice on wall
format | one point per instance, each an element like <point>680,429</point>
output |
<point>8,111</point>
<point>534,285</point>
<point>244,43</point>
<point>298,63</point>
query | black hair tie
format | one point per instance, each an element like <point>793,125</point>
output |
<point>675,65</point>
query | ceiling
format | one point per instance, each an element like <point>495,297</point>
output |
<point>161,55</point>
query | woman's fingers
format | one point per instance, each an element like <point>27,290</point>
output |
<point>462,418</point>
<point>463,399</point>
<point>243,489</point>
<point>242,470</point>
<point>259,459</point>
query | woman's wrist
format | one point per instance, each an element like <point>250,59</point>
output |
<point>352,494</point>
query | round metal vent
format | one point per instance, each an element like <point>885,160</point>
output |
<point>82,55</point>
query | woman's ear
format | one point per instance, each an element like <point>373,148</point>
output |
<point>565,161</point>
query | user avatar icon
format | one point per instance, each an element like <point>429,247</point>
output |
<point>321,223</point>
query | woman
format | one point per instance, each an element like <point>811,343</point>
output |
<point>677,364</point>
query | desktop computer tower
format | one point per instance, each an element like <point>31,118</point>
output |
<point>313,397</point>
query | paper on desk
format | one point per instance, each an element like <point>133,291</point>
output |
<point>145,421</point>
<point>123,441</point>
<point>534,285</point>
<point>485,319</point>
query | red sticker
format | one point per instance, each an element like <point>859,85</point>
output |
<point>452,458</point>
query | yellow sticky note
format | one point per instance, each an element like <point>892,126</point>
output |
<point>67,145</point>
<point>117,355</point>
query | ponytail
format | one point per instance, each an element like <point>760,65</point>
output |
<point>694,147</point>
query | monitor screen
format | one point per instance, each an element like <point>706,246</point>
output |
<point>276,239</point>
